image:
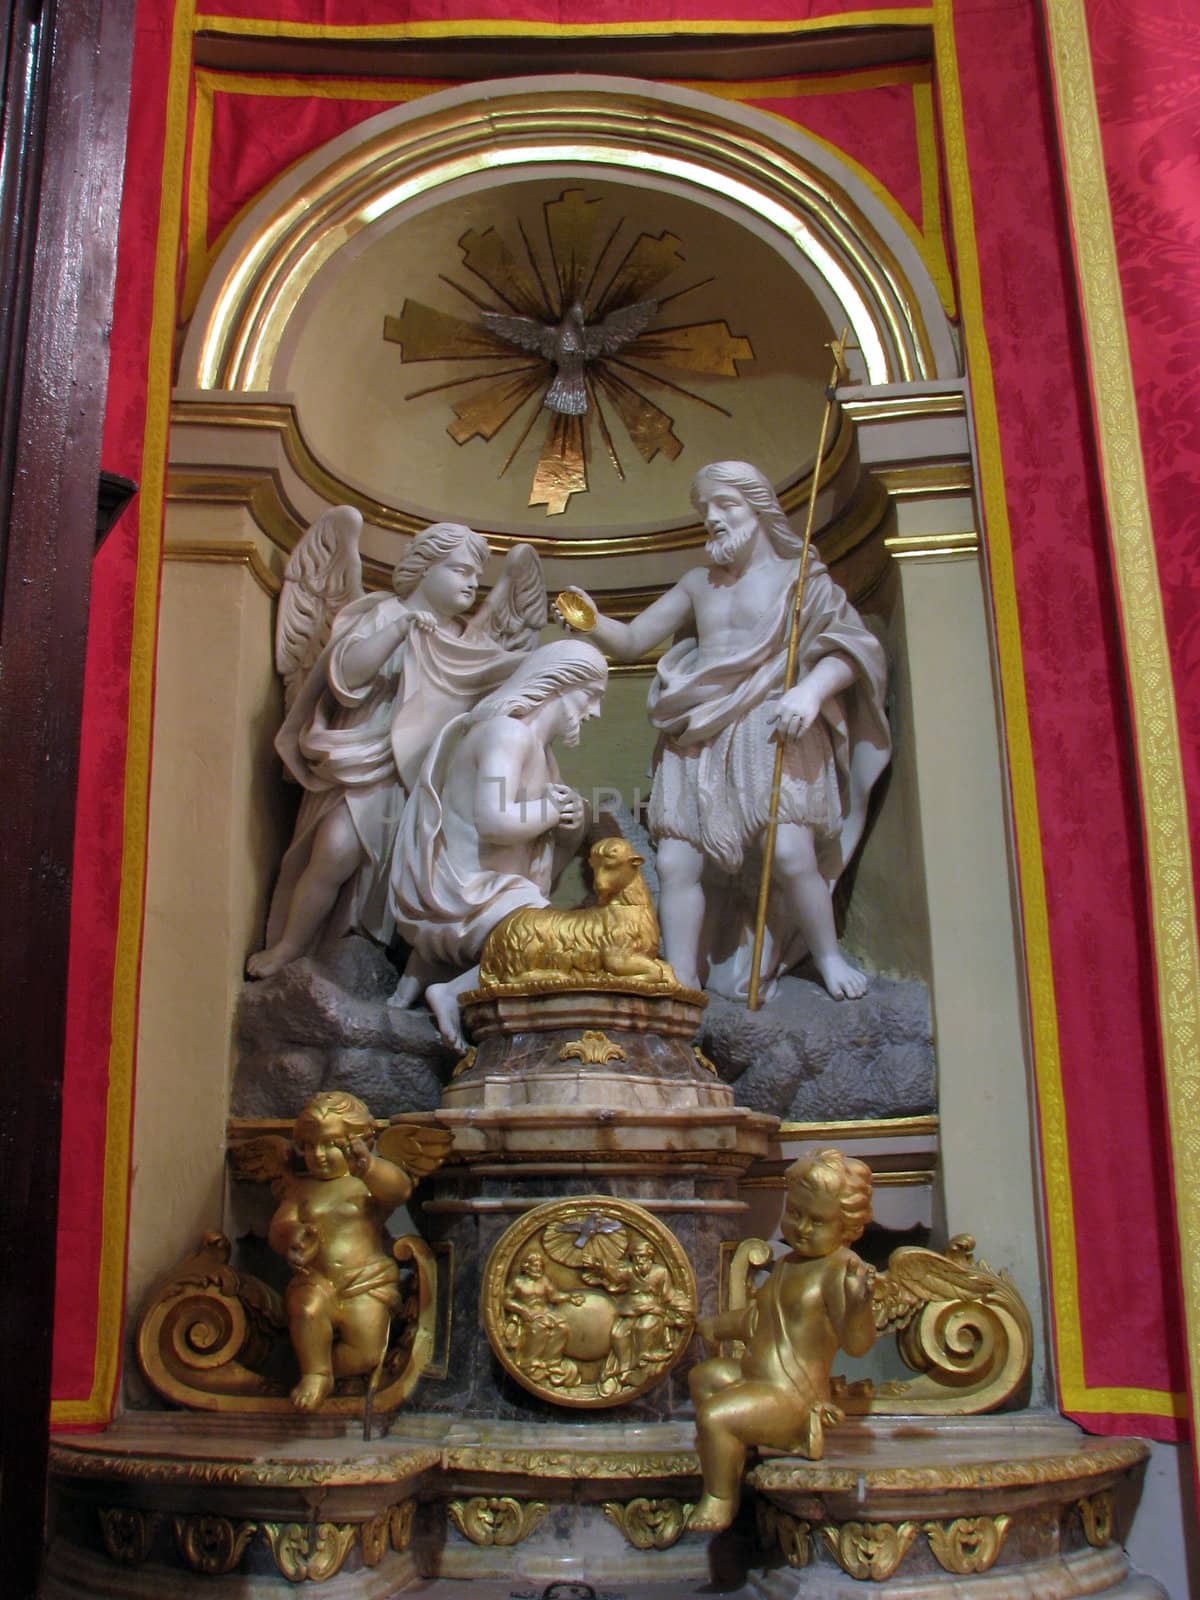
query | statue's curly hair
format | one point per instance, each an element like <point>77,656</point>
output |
<point>848,1180</point>
<point>755,488</point>
<point>550,670</point>
<point>348,1108</point>
<point>434,544</point>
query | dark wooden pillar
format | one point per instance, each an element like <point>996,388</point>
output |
<point>66,76</point>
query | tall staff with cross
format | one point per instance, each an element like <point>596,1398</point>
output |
<point>838,375</point>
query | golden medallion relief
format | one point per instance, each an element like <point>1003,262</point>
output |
<point>588,1301</point>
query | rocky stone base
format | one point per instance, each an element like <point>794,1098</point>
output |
<point>325,1024</point>
<point>806,1058</point>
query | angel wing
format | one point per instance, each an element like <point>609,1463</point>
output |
<point>323,573</point>
<point>418,1147</point>
<point>261,1160</point>
<point>915,1277</point>
<point>525,332</point>
<point>515,612</point>
<point>618,328</point>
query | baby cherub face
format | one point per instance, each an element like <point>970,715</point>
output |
<point>323,1147</point>
<point>813,1224</point>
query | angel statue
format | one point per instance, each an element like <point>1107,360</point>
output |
<point>329,1227</point>
<point>370,679</point>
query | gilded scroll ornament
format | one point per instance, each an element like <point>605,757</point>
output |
<point>354,1310</point>
<point>569,331</point>
<point>649,1524</point>
<point>212,1545</point>
<point>313,1551</point>
<point>593,1048</point>
<point>128,1533</point>
<point>496,1519</point>
<point>613,943</point>
<point>400,1524</point>
<point>393,1526</point>
<point>968,1544</point>
<point>1096,1510</point>
<point>588,1301</point>
<point>790,1534</point>
<point>961,1326</point>
<point>868,1549</point>
<point>464,1064</point>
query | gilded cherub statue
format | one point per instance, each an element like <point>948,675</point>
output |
<point>817,1300</point>
<point>329,1227</point>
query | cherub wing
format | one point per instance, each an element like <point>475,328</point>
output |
<point>515,612</point>
<point>915,1277</point>
<point>324,573</point>
<point>524,332</point>
<point>261,1160</point>
<point>605,338</point>
<point>418,1147</point>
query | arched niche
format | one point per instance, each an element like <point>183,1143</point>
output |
<point>285,343</point>
<point>252,462</point>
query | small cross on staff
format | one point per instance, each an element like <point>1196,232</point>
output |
<point>838,375</point>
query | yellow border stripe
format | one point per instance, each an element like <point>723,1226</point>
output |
<point>200,256</point>
<point>931,196</point>
<point>1148,656</point>
<point>118,1126</point>
<point>1060,1210</point>
<point>1043,1014</point>
<point>927,238</point>
<point>483,28</point>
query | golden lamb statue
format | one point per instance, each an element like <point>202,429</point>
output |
<point>613,944</point>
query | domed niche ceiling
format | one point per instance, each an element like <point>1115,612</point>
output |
<point>705,345</point>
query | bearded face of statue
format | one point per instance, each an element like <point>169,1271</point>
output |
<point>730,521</point>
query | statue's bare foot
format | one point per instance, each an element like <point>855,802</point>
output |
<point>312,1390</point>
<point>444,1004</point>
<point>266,963</point>
<point>843,981</point>
<point>405,994</point>
<point>711,1515</point>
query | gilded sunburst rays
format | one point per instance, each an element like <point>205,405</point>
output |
<point>572,328</point>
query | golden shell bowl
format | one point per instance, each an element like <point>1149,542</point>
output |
<point>575,611</point>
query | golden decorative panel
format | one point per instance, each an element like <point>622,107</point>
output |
<point>968,1544</point>
<point>649,1524</point>
<point>868,1549</point>
<point>496,1519</point>
<point>588,1301</point>
<point>579,314</point>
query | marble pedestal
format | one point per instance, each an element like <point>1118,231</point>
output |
<point>1020,1508</point>
<point>580,1093</point>
<point>983,1508</point>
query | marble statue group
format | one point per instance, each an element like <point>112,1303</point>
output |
<point>422,729</point>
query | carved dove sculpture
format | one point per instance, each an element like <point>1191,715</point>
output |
<point>571,344</point>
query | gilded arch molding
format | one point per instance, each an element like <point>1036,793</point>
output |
<point>773,179</point>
